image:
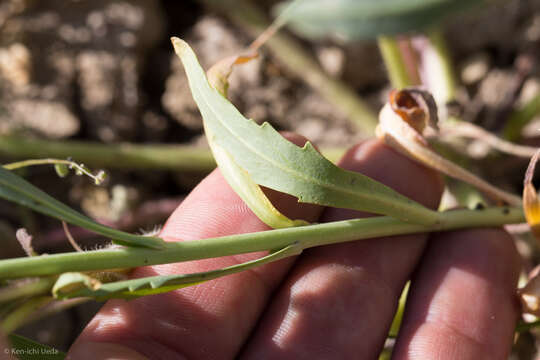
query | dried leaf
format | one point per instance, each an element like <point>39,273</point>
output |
<point>25,240</point>
<point>529,295</point>
<point>401,122</point>
<point>72,281</point>
<point>218,74</point>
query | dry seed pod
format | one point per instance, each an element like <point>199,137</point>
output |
<point>401,124</point>
<point>531,203</point>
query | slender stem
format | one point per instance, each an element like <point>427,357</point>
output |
<point>469,130</point>
<point>447,76</point>
<point>126,156</point>
<point>72,164</point>
<point>32,162</point>
<point>122,156</point>
<point>21,315</point>
<point>393,59</point>
<point>298,61</point>
<point>35,309</point>
<point>23,288</point>
<point>306,236</point>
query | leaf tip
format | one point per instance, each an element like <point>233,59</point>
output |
<point>180,46</point>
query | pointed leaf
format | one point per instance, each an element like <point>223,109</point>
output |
<point>354,19</point>
<point>18,190</point>
<point>274,162</point>
<point>239,179</point>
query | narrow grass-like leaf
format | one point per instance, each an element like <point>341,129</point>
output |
<point>27,349</point>
<point>130,289</point>
<point>353,19</point>
<point>18,190</point>
<point>274,162</point>
<point>25,288</point>
<point>20,315</point>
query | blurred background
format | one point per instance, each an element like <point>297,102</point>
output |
<point>84,78</point>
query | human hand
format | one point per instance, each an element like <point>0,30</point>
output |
<point>331,302</point>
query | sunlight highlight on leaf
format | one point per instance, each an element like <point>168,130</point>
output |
<point>238,178</point>
<point>250,192</point>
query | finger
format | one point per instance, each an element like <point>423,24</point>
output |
<point>206,321</point>
<point>340,299</point>
<point>462,303</point>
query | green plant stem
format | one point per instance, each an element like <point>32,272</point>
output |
<point>30,287</point>
<point>447,82</point>
<point>122,156</point>
<point>393,60</point>
<point>298,61</point>
<point>21,315</point>
<point>306,236</point>
<point>126,156</point>
<point>32,162</point>
<point>35,309</point>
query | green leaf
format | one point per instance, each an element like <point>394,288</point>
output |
<point>354,19</point>
<point>130,289</point>
<point>72,281</point>
<point>20,191</point>
<point>239,179</point>
<point>250,192</point>
<point>27,349</point>
<point>272,161</point>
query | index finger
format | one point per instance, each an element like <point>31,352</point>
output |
<point>210,320</point>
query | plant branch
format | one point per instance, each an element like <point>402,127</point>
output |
<point>393,60</point>
<point>447,79</point>
<point>122,156</point>
<point>306,236</point>
<point>469,130</point>
<point>21,315</point>
<point>23,288</point>
<point>35,309</point>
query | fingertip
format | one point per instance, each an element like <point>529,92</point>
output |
<point>464,295</point>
